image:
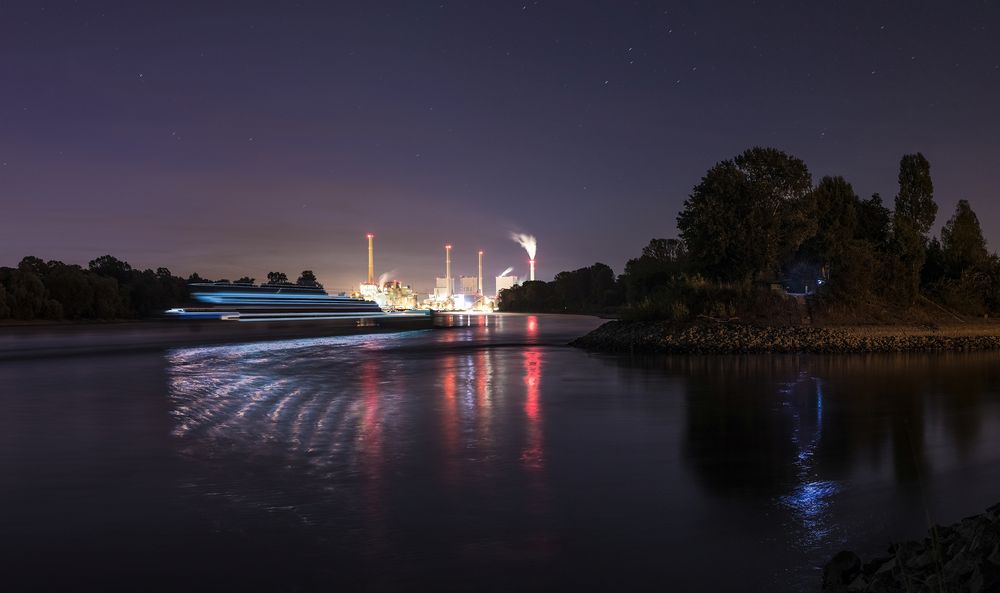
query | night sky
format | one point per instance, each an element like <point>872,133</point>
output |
<point>237,138</point>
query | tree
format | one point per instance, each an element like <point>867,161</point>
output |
<point>748,215</point>
<point>108,301</point>
<point>107,265</point>
<point>277,278</point>
<point>307,278</point>
<point>914,215</point>
<point>585,289</point>
<point>34,265</point>
<point>836,212</point>
<point>532,296</point>
<point>962,242</point>
<point>28,295</point>
<point>874,221</point>
<point>246,280</point>
<point>4,306</point>
<point>661,261</point>
<point>935,268</point>
<point>854,274</point>
<point>665,250</point>
<point>915,200</point>
<point>70,286</point>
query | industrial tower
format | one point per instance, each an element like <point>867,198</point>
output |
<point>371,259</point>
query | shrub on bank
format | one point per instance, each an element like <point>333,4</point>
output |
<point>686,298</point>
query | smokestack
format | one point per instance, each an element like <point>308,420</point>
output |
<point>447,269</point>
<point>480,278</point>
<point>371,259</point>
<point>530,245</point>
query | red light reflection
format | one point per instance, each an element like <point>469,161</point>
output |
<point>371,451</point>
<point>532,325</point>
<point>449,416</point>
<point>532,456</point>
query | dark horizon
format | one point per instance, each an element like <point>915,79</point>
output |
<point>235,139</point>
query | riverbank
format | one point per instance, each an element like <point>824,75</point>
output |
<point>961,557</point>
<point>729,338</point>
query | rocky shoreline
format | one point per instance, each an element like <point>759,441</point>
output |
<point>961,557</point>
<point>733,337</point>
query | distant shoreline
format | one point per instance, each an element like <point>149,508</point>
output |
<point>735,338</point>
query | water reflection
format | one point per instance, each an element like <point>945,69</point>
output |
<point>450,421</point>
<point>532,326</point>
<point>810,496</point>
<point>369,442</point>
<point>533,455</point>
<point>802,430</point>
<point>482,376</point>
<point>355,410</point>
<point>457,447</point>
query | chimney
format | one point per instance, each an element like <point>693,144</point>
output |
<point>479,279</point>
<point>447,269</point>
<point>371,259</point>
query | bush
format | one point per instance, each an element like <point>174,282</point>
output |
<point>685,298</point>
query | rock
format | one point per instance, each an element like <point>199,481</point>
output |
<point>886,567</point>
<point>921,561</point>
<point>860,583</point>
<point>840,572</point>
<point>960,565</point>
<point>715,338</point>
<point>960,557</point>
<point>994,556</point>
<point>985,578</point>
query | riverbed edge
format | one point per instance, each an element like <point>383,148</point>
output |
<point>963,556</point>
<point>745,338</point>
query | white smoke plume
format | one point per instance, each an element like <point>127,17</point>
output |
<point>385,277</point>
<point>505,272</point>
<point>525,241</point>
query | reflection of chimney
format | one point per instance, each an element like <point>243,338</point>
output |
<point>531,275</point>
<point>371,259</point>
<point>447,270</point>
<point>479,279</point>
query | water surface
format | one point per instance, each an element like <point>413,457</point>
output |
<point>488,458</point>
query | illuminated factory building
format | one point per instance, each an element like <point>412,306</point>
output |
<point>443,288</point>
<point>468,285</point>
<point>505,282</point>
<point>464,295</point>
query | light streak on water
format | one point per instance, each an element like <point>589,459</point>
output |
<point>810,498</point>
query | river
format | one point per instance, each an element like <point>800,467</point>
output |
<point>483,457</point>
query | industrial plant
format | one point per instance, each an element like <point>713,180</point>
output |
<point>464,293</point>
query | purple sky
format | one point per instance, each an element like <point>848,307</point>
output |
<point>239,138</point>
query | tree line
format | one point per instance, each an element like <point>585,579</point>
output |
<point>756,226</point>
<point>108,288</point>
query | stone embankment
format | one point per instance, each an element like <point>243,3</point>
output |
<point>962,557</point>
<point>728,338</point>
